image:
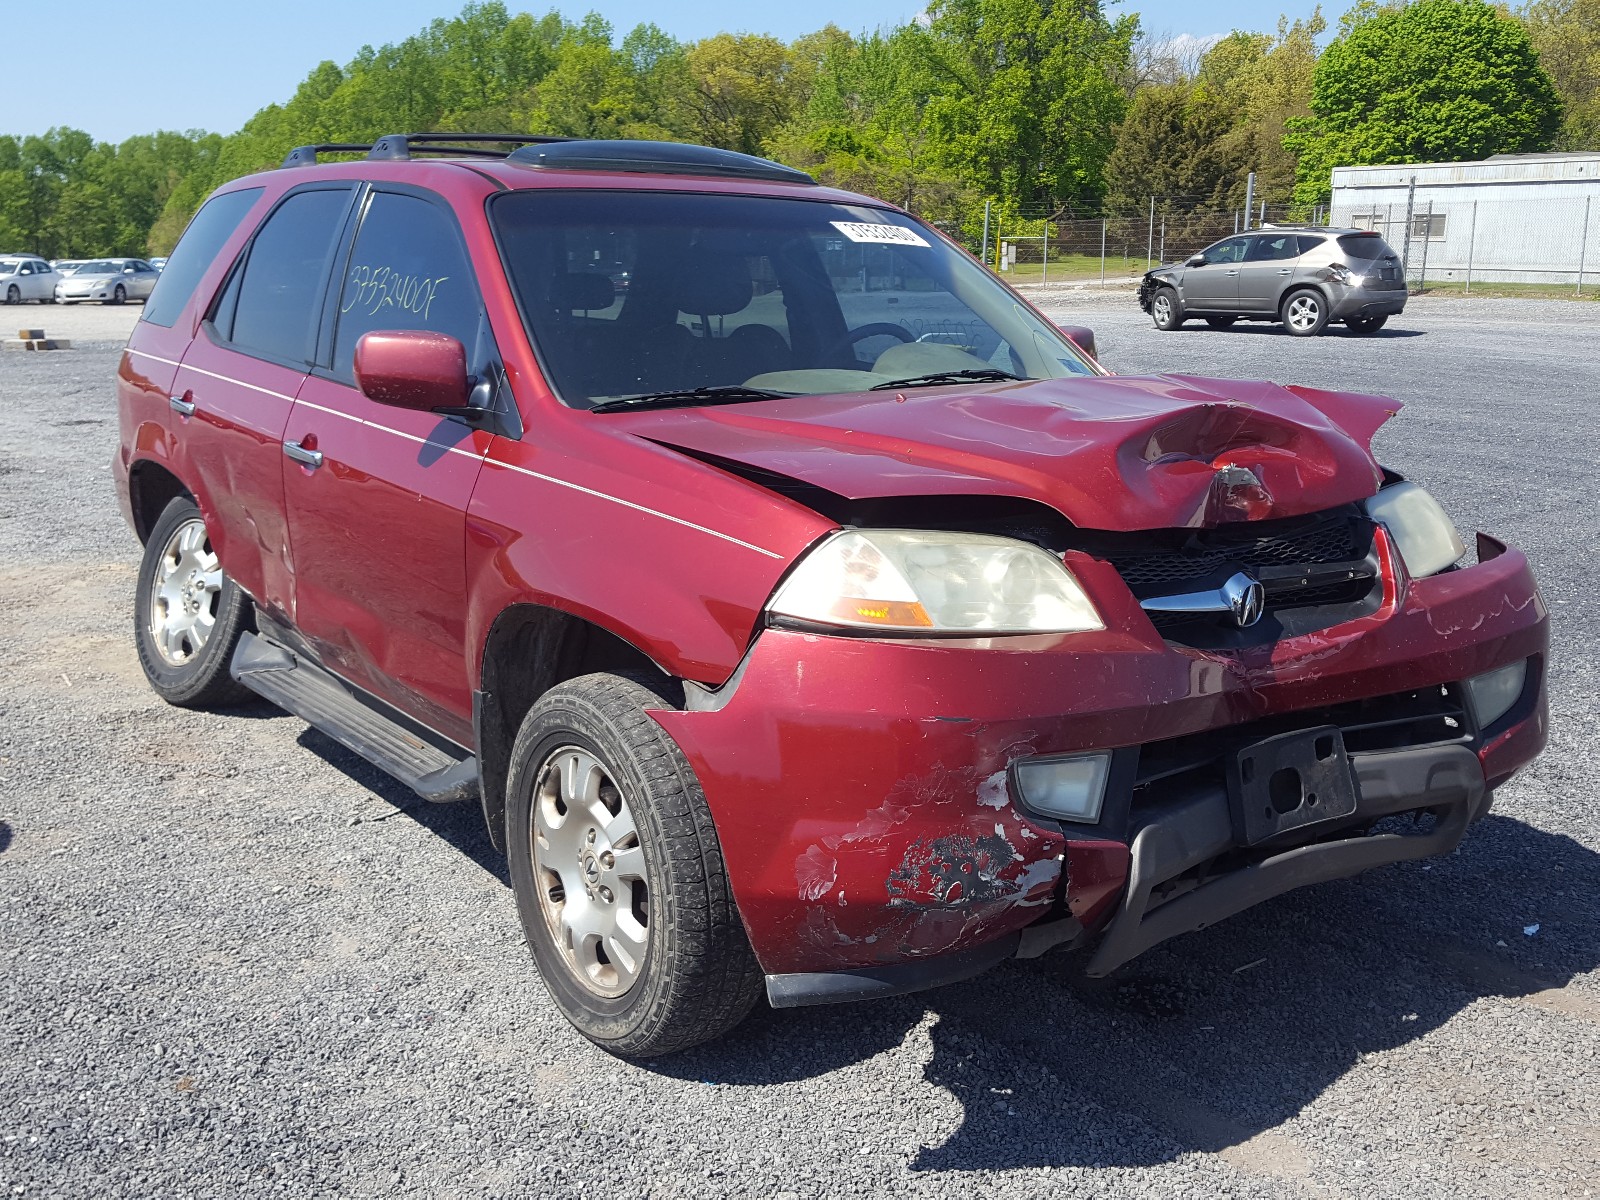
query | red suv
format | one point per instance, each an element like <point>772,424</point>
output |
<point>808,614</point>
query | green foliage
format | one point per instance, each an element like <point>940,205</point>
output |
<point>1432,81</point>
<point>1566,34</point>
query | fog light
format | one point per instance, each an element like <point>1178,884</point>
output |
<point>1071,788</point>
<point>1494,692</point>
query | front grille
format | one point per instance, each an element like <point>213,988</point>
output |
<point>1316,571</point>
<point>1205,553</point>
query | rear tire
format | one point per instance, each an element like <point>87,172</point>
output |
<point>1304,313</point>
<point>1221,322</point>
<point>118,296</point>
<point>1166,310</point>
<point>188,615</point>
<point>618,874</point>
<point>1367,324</point>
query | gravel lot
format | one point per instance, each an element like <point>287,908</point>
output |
<point>234,960</point>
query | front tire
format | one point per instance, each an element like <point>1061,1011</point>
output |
<point>187,614</point>
<point>13,294</point>
<point>618,875</point>
<point>120,295</point>
<point>1304,313</point>
<point>1166,310</point>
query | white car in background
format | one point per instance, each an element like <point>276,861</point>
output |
<point>27,277</point>
<point>108,280</point>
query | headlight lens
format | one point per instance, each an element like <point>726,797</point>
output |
<point>1425,536</point>
<point>912,581</point>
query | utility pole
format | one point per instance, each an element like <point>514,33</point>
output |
<point>1150,240</point>
<point>1104,222</point>
<point>1044,253</point>
<point>1583,243</point>
<point>984,257</point>
<point>1472,244</point>
<point>1249,197</point>
<point>1405,254</point>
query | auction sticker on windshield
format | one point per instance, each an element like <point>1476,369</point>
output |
<point>888,235</point>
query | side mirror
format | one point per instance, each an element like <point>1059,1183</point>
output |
<point>1080,337</point>
<point>1195,260</point>
<point>412,369</point>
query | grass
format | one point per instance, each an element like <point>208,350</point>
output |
<point>1490,290</point>
<point>1072,268</point>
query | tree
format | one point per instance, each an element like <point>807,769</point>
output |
<point>1433,81</point>
<point>1028,93</point>
<point>1566,34</point>
<point>1171,147</point>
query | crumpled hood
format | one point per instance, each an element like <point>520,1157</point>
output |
<point>1107,452</point>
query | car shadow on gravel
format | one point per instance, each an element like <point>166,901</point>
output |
<point>461,825</point>
<point>5,837</point>
<point>1272,329</point>
<point>1211,1039</point>
<point>1214,1038</point>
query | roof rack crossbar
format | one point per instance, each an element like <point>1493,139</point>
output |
<point>305,156</point>
<point>404,145</point>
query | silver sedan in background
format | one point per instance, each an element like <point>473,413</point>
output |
<point>108,280</point>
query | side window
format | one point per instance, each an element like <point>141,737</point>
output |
<point>1308,244</point>
<point>407,270</point>
<point>281,285</point>
<point>1269,247</point>
<point>27,269</point>
<point>212,226</point>
<point>1230,251</point>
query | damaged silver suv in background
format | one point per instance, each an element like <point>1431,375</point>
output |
<point>1303,278</point>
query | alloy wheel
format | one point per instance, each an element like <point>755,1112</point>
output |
<point>590,871</point>
<point>1162,309</point>
<point>1304,312</point>
<point>184,595</point>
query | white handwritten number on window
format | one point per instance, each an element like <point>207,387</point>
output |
<point>373,288</point>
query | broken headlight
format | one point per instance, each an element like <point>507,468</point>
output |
<point>914,581</point>
<point>1423,534</point>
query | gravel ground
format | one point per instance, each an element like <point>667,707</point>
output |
<point>234,960</point>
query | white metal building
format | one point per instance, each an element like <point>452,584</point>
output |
<point>1513,218</point>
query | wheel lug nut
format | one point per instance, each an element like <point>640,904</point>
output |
<point>590,836</point>
<point>608,860</point>
<point>605,894</point>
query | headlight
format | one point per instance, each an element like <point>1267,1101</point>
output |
<point>1421,531</point>
<point>911,581</point>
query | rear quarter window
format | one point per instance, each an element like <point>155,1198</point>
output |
<point>210,230</point>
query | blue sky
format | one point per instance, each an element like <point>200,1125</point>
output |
<point>136,66</point>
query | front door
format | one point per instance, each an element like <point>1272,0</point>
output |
<point>1214,286</point>
<point>1268,266</point>
<point>377,523</point>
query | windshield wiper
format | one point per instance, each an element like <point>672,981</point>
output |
<point>732,394</point>
<point>986,374</point>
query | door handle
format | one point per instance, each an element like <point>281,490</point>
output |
<point>182,404</point>
<point>1234,271</point>
<point>1285,270</point>
<point>306,458</point>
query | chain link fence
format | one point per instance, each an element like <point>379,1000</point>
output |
<point>1459,243</point>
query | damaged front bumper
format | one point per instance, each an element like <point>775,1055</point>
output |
<point>876,844</point>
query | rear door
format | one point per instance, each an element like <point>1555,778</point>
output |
<point>1267,269</point>
<point>238,381</point>
<point>377,523</point>
<point>1214,286</point>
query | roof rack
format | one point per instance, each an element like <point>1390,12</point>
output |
<point>656,158</point>
<point>398,146</point>
<point>474,145</point>
<point>305,156</point>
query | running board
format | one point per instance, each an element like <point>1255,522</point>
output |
<point>435,770</point>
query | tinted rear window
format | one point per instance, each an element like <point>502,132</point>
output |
<point>212,226</point>
<point>1365,246</point>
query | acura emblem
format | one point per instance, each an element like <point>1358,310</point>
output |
<point>1246,598</point>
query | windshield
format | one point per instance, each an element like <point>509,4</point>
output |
<point>9,268</point>
<point>96,268</point>
<point>639,293</point>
